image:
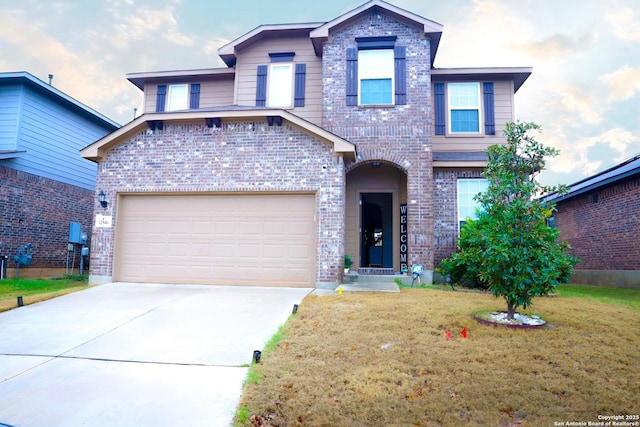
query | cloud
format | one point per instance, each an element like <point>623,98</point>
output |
<point>623,23</point>
<point>623,83</point>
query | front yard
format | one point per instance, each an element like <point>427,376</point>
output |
<point>374,359</point>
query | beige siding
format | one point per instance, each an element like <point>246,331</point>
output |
<point>504,112</point>
<point>213,93</point>
<point>256,54</point>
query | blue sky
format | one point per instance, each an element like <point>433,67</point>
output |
<point>585,54</point>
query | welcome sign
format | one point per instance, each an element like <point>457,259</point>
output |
<point>404,266</point>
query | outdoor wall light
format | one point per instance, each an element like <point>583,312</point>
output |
<point>295,308</point>
<point>256,356</point>
<point>376,165</point>
<point>102,198</point>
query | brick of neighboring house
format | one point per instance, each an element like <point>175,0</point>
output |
<point>400,134</point>
<point>237,157</point>
<point>39,210</point>
<point>603,226</point>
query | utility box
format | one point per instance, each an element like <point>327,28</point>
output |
<point>75,233</point>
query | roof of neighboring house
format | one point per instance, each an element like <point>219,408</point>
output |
<point>630,167</point>
<point>59,96</point>
<point>98,149</point>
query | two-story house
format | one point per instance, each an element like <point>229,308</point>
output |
<point>44,183</point>
<point>315,140</point>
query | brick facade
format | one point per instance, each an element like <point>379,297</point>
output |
<point>398,135</point>
<point>39,210</point>
<point>237,157</point>
<point>445,199</point>
<point>603,226</point>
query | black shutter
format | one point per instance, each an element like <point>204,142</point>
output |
<point>400,66</point>
<point>440,112</point>
<point>160,98</point>
<point>300,83</point>
<point>261,86</point>
<point>489,109</point>
<point>352,76</point>
<point>194,100</point>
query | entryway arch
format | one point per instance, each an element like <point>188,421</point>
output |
<point>375,193</point>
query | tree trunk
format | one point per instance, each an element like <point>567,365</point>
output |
<point>511,310</point>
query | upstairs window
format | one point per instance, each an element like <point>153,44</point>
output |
<point>376,72</point>
<point>464,107</point>
<point>461,108</point>
<point>177,97</point>
<point>280,84</point>
<point>280,87</point>
<point>375,76</point>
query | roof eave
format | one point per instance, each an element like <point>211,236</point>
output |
<point>518,74</point>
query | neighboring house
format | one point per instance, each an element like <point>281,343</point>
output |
<point>44,182</point>
<point>600,218</point>
<point>315,140</point>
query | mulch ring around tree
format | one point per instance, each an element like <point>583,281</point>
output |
<point>519,321</point>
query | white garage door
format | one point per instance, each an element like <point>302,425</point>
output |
<point>260,240</point>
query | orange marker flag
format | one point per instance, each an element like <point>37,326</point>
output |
<point>447,335</point>
<point>464,332</point>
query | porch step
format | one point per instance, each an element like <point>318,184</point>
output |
<point>370,287</point>
<point>376,271</point>
<point>356,278</point>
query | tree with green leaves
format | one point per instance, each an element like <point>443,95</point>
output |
<point>510,248</point>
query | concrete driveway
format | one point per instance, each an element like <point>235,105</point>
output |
<point>135,354</point>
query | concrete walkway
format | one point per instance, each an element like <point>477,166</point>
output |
<point>135,354</point>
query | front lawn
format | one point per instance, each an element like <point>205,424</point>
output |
<point>36,290</point>
<point>378,359</point>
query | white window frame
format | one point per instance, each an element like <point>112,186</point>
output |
<point>178,97</point>
<point>466,206</point>
<point>280,85</point>
<point>369,68</point>
<point>464,106</point>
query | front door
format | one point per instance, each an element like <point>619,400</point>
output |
<point>376,232</point>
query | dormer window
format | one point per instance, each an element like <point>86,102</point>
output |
<point>281,84</point>
<point>177,97</point>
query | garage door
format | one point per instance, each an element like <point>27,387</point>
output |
<point>261,240</point>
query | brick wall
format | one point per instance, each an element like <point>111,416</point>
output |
<point>243,156</point>
<point>445,198</point>
<point>39,210</point>
<point>398,135</point>
<point>603,226</point>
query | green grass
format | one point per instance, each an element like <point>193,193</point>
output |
<point>626,297</point>
<point>36,290</point>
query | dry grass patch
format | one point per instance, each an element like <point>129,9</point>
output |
<point>373,359</point>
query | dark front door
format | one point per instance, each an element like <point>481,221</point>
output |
<point>376,238</point>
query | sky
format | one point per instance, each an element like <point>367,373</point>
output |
<point>585,54</point>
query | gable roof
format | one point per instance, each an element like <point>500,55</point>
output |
<point>626,169</point>
<point>228,52</point>
<point>97,151</point>
<point>432,28</point>
<point>27,79</point>
<point>319,31</point>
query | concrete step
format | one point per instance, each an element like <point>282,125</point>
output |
<point>355,278</point>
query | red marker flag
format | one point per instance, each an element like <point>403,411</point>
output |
<point>464,332</point>
<point>447,335</point>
